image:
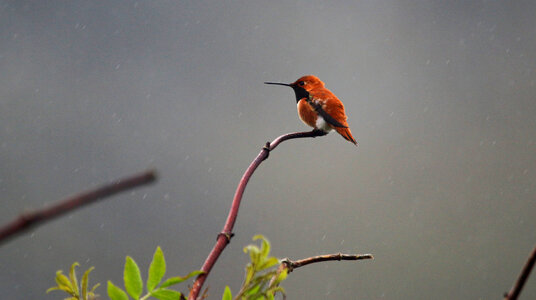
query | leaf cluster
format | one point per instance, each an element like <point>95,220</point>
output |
<point>134,282</point>
<point>132,279</point>
<point>261,280</point>
<point>71,286</point>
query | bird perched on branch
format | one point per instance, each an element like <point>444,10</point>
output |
<point>318,107</point>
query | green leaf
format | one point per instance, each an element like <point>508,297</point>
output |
<point>72,278</point>
<point>282,276</point>
<point>265,245</point>
<point>165,294</point>
<point>253,290</point>
<point>85,283</point>
<point>132,278</point>
<point>273,291</point>
<point>254,253</point>
<point>94,287</point>
<point>268,263</point>
<point>157,269</point>
<point>178,279</point>
<point>227,294</point>
<point>116,293</point>
<point>63,283</point>
<point>54,288</point>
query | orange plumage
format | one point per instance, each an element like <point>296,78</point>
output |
<point>318,107</point>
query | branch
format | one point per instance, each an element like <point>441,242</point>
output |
<point>289,265</point>
<point>518,286</point>
<point>28,220</point>
<point>224,237</point>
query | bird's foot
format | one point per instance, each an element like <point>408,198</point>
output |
<point>319,132</point>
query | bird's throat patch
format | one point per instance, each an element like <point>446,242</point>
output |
<point>300,93</point>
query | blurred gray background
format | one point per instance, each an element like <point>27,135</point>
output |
<point>440,97</point>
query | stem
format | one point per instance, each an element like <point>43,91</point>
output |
<point>518,286</point>
<point>28,220</point>
<point>291,265</point>
<point>224,237</point>
<point>287,264</point>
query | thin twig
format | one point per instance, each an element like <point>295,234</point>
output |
<point>28,220</point>
<point>224,237</point>
<point>289,265</point>
<point>518,285</point>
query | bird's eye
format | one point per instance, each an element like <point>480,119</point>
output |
<point>302,83</point>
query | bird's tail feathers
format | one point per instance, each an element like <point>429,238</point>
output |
<point>346,134</point>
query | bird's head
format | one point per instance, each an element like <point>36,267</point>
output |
<point>302,86</point>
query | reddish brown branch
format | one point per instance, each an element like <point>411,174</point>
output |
<point>31,219</point>
<point>518,286</point>
<point>227,232</point>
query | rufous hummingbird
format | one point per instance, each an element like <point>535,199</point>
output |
<point>318,107</point>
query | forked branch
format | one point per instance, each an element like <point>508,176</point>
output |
<point>224,237</point>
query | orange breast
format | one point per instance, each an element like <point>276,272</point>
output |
<point>306,113</point>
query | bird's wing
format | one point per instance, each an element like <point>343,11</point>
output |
<point>332,120</point>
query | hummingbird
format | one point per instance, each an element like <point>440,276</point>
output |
<point>318,107</point>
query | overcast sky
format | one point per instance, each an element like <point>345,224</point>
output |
<point>440,96</point>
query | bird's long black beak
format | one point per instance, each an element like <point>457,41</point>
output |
<point>278,83</point>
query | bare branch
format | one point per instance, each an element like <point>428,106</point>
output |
<point>518,285</point>
<point>289,265</point>
<point>224,237</point>
<point>28,220</point>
